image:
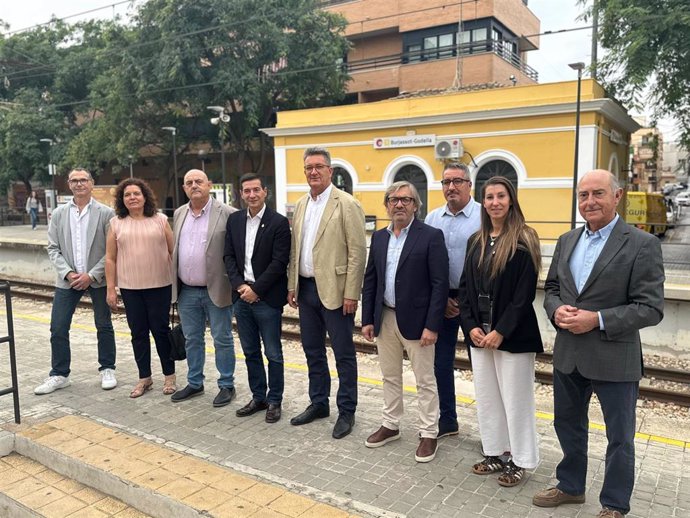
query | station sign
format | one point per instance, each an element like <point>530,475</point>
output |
<point>404,141</point>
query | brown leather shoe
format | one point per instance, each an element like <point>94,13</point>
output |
<point>553,497</point>
<point>426,451</point>
<point>273,413</point>
<point>609,513</point>
<point>381,437</point>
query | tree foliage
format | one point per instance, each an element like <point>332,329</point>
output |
<point>113,86</point>
<point>647,43</point>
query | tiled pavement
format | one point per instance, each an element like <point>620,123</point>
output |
<point>306,460</point>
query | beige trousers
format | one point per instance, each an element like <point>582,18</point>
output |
<point>391,345</point>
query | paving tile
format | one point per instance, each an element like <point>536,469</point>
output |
<point>156,478</point>
<point>161,456</point>
<point>262,494</point>
<point>89,495</point>
<point>324,511</point>
<point>207,499</point>
<point>49,477</point>
<point>23,487</point>
<point>72,446</point>
<point>291,505</point>
<point>180,488</point>
<point>89,512</point>
<point>130,512</point>
<point>62,507</point>
<point>235,508</point>
<point>110,505</point>
<point>120,442</point>
<point>233,483</point>
<point>207,474</point>
<point>40,497</point>
<point>68,486</point>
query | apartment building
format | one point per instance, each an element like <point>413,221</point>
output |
<point>647,157</point>
<point>403,46</point>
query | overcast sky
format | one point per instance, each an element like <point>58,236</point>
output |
<point>551,60</point>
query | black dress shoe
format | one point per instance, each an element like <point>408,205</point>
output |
<point>224,397</point>
<point>312,412</point>
<point>273,413</point>
<point>186,393</point>
<point>251,408</point>
<point>343,426</point>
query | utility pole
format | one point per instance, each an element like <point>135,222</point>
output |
<point>595,37</point>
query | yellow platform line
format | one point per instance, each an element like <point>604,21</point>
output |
<point>546,416</point>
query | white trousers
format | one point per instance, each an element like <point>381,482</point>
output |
<point>504,390</point>
<point>391,345</point>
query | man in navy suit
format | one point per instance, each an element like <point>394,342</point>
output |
<point>403,301</point>
<point>257,252</point>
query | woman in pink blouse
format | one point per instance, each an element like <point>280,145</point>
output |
<point>138,260</point>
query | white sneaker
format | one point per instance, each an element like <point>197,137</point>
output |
<point>52,384</point>
<point>108,380</point>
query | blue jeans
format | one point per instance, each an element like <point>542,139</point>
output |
<point>444,369</point>
<point>618,400</point>
<point>64,304</point>
<point>256,322</point>
<point>34,217</point>
<point>195,307</point>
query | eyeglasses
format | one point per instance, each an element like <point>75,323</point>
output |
<point>405,200</point>
<point>79,181</point>
<point>455,181</point>
<point>319,168</point>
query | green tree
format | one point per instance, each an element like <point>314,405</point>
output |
<point>647,43</point>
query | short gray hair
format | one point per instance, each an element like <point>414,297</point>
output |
<point>80,170</point>
<point>458,167</point>
<point>395,187</point>
<point>311,151</point>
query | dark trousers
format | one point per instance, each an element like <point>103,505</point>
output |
<point>315,320</point>
<point>64,304</point>
<point>149,310</point>
<point>618,400</point>
<point>257,322</point>
<point>444,369</point>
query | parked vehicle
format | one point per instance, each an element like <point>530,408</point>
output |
<point>683,199</point>
<point>647,211</point>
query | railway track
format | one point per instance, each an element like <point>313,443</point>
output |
<point>44,293</point>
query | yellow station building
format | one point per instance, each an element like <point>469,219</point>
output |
<point>526,133</point>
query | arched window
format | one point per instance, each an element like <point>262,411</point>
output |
<point>490,169</point>
<point>342,179</point>
<point>414,175</point>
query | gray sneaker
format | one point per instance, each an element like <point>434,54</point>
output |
<point>52,384</point>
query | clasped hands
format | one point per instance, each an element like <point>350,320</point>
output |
<point>577,321</point>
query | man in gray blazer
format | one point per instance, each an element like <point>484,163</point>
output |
<point>605,283</point>
<point>76,247</point>
<point>202,288</point>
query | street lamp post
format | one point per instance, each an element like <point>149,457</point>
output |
<point>579,66</point>
<point>222,119</point>
<point>51,172</point>
<point>202,157</point>
<point>131,170</point>
<point>173,130</point>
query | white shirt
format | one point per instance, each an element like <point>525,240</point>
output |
<point>312,219</point>
<point>79,225</point>
<point>249,240</point>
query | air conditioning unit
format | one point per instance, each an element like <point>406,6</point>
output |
<point>448,148</point>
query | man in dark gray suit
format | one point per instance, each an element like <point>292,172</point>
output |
<point>605,283</point>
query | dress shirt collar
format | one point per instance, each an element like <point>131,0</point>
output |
<point>465,211</point>
<point>259,214</point>
<point>323,196</point>
<point>204,210</point>
<point>604,232</point>
<point>403,231</point>
<point>85,206</point>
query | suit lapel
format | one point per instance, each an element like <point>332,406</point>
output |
<point>94,217</point>
<point>265,219</point>
<point>328,211</point>
<point>568,248</point>
<point>412,235</point>
<point>383,256</point>
<point>618,238</point>
<point>213,217</point>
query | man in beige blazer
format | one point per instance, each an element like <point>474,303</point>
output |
<point>327,261</point>
<point>202,288</point>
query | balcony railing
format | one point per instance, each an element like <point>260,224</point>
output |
<point>418,56</point>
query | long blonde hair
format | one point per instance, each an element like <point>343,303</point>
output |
<point>515,234</point>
